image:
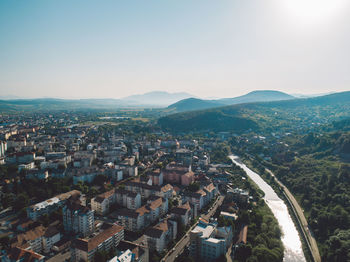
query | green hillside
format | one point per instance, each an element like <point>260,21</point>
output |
<point>264,115</point>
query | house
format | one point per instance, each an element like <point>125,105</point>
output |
<point>159,236</point>
<point>109,236</point>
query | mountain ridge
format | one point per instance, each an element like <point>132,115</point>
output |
<point>266,115</point>
<point>253,96</point>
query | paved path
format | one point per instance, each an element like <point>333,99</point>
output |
<point>302,220</point>
<point>185,240</point>
<point>228,254</point>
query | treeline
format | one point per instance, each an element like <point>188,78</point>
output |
<point>316,169</point>
<point>264,236</point>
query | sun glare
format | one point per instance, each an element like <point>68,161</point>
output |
<point>314,11</point>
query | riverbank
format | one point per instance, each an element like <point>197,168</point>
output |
<point>309,243</point>
<point>291,239</point>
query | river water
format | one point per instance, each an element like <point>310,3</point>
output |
<point>293,251</point>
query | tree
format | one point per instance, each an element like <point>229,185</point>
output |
<point>193,187</point>
<point>21,201</point>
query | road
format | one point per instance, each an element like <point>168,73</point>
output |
<point>302,220</point>
<point>185,240</point>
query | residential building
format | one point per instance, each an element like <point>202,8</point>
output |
<point>3,148</point>
<point>183,213</point>
<point>77,219</point>
<point>156,176</point>
<point>139,252</point>
<point>207,242</point>
<point>85,175</point>
<point>52,204</point>
<point>128,199</point>
<point>109,236</point>
<point>184,156</point>
<point>39,239</point>
<point>37,174</point>
<point>18,254</point>
<point>159,236</point>
<point>101,203</point>
<point>132,220</point>
<point>147,190</point>
<point>27,166</point>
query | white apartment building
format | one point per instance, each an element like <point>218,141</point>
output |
<point>159,236</point>
<point>50,205</point>
<point>101,203</point>
<point>128,199</point>
<point>77,218</point>
<point>207,242</point>
<point>39,239</point>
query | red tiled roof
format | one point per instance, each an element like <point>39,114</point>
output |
<point>90,244</point>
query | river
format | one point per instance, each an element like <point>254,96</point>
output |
<point>293,251</point>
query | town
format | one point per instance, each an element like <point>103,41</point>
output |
<point>89,191</point>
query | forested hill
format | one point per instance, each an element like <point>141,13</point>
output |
<point>263,115</point>
<point>257,96</point>
<point>191,104</point>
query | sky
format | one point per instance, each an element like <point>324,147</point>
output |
<point>226,48</point>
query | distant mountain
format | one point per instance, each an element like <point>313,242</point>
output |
<point>47,104</point>
<point>156,98</point>
<point>191,104</point>
<point>255,96</point>
<point>268,116</point>
<point>9,97</point>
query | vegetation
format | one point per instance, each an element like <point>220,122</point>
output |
<point>266,116</point>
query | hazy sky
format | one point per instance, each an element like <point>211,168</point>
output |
<point>223,48</point>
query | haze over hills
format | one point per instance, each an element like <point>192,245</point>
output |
<point>257,96</point>
<point>191,104</point>
<point>151,99</point>
<point>254,96</point>
<point>157,98</point>
<point>262,115</point>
